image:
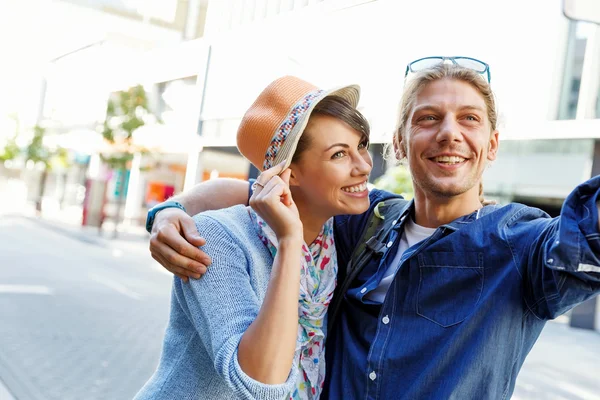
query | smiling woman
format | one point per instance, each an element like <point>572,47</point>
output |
<point>274,264</point>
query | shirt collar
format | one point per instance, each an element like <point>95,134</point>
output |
<point>454,225</point>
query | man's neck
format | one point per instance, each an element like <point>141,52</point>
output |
<point>432,211</point>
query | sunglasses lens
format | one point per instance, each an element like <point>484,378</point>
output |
<point>471,64</point>
<point>425,63</point>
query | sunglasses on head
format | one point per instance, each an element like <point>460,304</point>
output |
<point>465,62</point>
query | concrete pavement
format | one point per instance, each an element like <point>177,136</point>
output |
<point>82,318</point>
<point>4,393</point>
<point>563,365</point>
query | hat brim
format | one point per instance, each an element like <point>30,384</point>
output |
<point>351,93</point>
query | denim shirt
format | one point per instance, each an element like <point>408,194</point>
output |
<point>466,305</point>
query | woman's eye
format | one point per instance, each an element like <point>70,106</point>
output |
<point>339,154</point>
<point>363,145</point>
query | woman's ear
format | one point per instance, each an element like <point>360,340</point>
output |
<point>293,177</point>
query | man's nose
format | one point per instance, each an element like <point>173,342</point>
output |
<point>449,130</point>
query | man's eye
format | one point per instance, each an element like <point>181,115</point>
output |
<point>427,118</point>
<point>472,118</point>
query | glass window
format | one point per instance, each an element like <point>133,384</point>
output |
<point>578,39</point>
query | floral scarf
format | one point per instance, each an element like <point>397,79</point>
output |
<point>317,282</point>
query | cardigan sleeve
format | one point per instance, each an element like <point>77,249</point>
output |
<point>222,305</point>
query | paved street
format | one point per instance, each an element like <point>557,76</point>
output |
<point>82,317</point>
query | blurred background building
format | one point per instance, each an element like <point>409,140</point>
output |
<point>201,64</point>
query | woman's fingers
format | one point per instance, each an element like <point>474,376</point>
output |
<point>286,198</point>
<point>265,176</point>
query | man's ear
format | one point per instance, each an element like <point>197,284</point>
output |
<point>398,153</point>
<point>493,146</point>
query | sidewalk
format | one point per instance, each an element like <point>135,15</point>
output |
<point>67,220</point>
<point>563,365</point>
<point>4,393</point>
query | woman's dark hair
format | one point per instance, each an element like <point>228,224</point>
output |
<point>339,108</point>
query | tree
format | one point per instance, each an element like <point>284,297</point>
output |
<point>396,180</point>
<point>126,111</point>
<point>10,151</point>
<point>39,153</point>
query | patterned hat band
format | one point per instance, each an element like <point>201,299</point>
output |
<point>288,125</point>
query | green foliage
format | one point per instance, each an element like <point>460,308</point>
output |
<point>60,159</point>
<point>124,114</point>
<point>396,180</point>
<point>35,150</point>
<point>117,161</point>
<point>10,150</point>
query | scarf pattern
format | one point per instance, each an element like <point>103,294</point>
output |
<point>318,277</point>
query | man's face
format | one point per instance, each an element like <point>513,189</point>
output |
<point>449,139</point>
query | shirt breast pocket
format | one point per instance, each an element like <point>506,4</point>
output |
<point>450,286</point>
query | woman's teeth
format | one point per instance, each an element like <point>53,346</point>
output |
<point>357,188</point>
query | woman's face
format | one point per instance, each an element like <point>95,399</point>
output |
<point>330,177</point>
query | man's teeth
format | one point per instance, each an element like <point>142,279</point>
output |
<point>357,188</point>
<point>449,159</point>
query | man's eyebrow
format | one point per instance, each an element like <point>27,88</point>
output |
<point>431,107</point>
<point>471,107</point>
<point>426,107</point>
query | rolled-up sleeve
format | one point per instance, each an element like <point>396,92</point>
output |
<point>558,258</point>
<point>222,305</point>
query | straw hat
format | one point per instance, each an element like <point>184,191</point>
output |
<point>272,126</point>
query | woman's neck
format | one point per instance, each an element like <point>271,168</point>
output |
<point>312,222</point>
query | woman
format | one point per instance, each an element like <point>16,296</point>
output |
<point>264,338</point>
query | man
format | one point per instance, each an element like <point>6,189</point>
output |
<point>456,303</point>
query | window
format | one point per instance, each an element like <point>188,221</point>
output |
<point>579,32</point>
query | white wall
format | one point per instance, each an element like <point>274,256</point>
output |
<point>523,41</point>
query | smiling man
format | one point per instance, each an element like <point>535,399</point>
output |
<point>453,307</point>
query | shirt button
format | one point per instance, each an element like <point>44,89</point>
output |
<point>394,222</point>
<point>390,244</point>
<point>550,261</point>
<point>385,320</point>
<point>373,376</point>
<point>363,290</point>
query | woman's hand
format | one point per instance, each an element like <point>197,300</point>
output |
<point>272,200</point>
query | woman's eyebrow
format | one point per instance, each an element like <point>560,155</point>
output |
<point>344,145</point>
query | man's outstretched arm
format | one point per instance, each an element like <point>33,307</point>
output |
<point>174,239</point>
<point>559,259</point>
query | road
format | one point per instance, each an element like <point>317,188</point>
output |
<point>81,318</point>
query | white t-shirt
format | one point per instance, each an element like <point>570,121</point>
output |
<point>412,235</point>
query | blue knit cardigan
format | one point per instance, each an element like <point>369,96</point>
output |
<point>209,316</point>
